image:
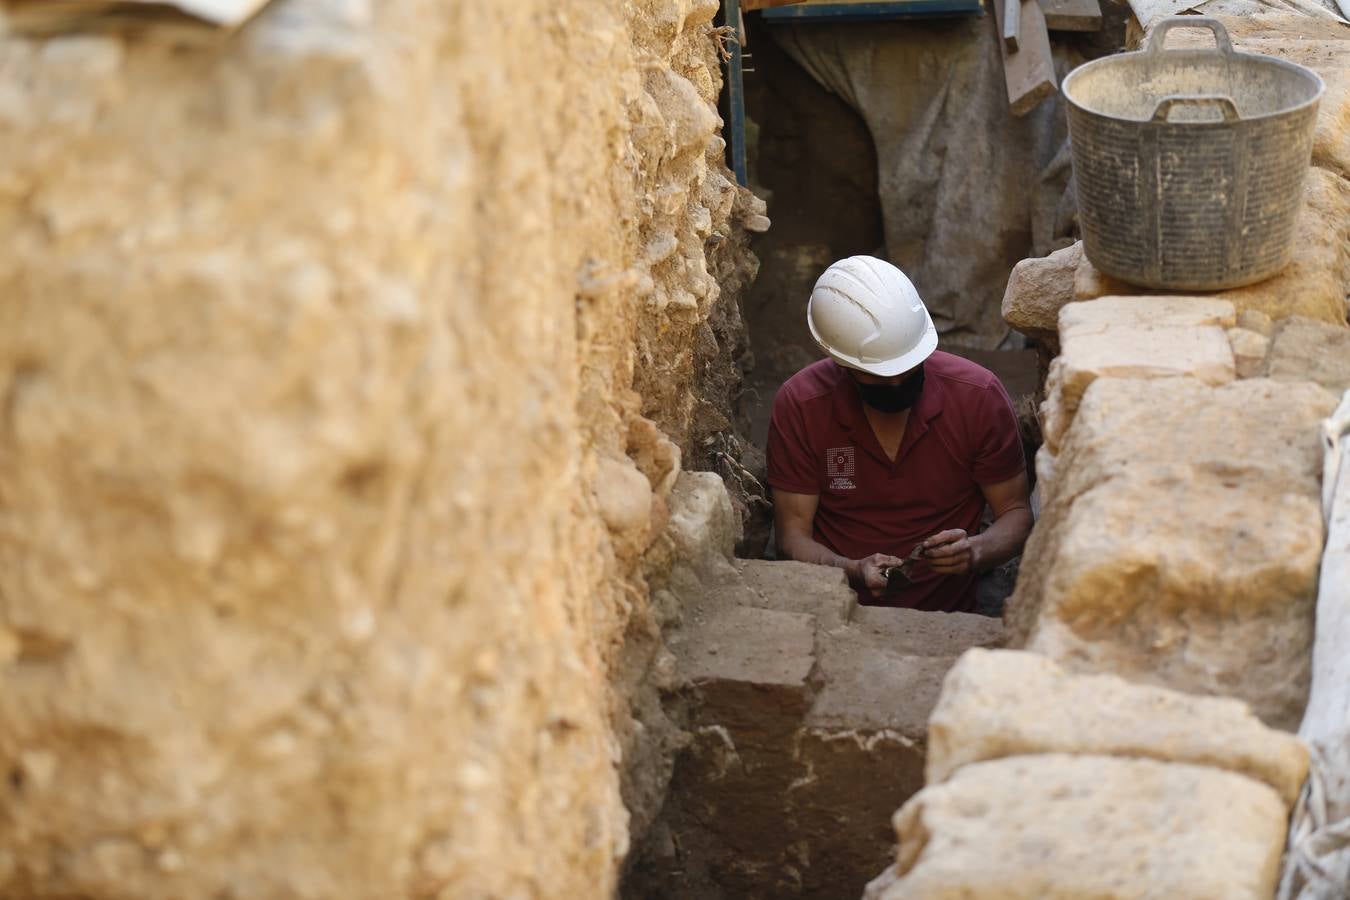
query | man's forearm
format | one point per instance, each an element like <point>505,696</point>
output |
<point>1002,540</point>
<point>804,549</point>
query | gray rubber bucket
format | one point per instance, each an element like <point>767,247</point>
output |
<point>1189,163</point>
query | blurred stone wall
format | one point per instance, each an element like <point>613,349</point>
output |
<point>324,485</point>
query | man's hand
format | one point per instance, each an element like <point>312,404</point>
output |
<point>866,573</point>
<point>951,552</point>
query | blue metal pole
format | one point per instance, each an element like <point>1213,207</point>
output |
<point>731,15</point>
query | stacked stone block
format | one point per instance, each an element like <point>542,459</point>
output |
<point>1178,547</point>
<point>1044,784</point>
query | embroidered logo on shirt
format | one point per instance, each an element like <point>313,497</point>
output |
<point>840,466</point>
<point>839,461</point>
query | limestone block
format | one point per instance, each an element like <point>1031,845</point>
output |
<point>821,591</point>
<point>1171,311</point>
<point>1314,285</point>
<point>1256,430</point>
<point>742,644</point>
<point>1202,584</point>
<point>1257,321</point>
<point>1307,350</point>
<point>1037,288</point>
<point>917,633</point>
<point>1249,351</point>
<point>702,520</point>
<point>1252,432</point>
<point>1008,703</point>
<point>884,670</point>
<point>749,670</point>
<point>623,496</point>
<point>1134,337</point>
<point>1058,827</point>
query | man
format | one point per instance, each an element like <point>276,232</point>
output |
<point>890,449</point>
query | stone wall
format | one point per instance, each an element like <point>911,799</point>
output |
<point>345,363</point>
<point>1177,548</point>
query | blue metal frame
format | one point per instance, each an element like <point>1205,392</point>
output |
<point>731,15</point>
<point>872,12</point>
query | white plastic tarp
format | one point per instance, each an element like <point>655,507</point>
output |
<point>224,13</point>
<point>1148,12</point>
<point>966,188</point>
<point>1317,865</point>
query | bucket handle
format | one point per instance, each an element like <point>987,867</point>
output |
<point>1221,42</point>
<point>1223,102</point>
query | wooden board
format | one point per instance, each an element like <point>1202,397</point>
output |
<point>1010,24</point>
<point>869,10</point>
<point>1030,72</point>
<point>1072,15</point>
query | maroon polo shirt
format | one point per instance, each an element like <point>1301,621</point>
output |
<point>961,434</point>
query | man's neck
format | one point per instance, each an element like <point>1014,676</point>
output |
<point>889,429</point>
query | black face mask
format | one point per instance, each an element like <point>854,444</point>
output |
<point>893,398</point>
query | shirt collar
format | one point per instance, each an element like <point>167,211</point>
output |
<point>848,408</point>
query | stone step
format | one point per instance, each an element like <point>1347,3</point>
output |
<point>807,720</point>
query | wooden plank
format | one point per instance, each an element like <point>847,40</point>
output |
<point>1011,23</point>
<point>1030,72</point>
<point>752,5</point>
<point>1072,15</point>
<point>873,11</point>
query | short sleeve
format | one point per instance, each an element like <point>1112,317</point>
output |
<point>790,460</point>
<point>998,443</point>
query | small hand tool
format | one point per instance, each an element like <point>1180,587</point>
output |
<point>899,576</point>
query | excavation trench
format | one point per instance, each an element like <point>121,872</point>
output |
<point>804,712</point>
<point>805,716</point>
<point>381,473</point>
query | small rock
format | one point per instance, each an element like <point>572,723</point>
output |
<point>1308,350</point>
<point>1037,289</point>
<point>624,495</point>
<point>1249,351</point>
<point>757,224</point>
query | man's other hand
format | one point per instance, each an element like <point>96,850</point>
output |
<point>950,552</point>
<point>869,576</point>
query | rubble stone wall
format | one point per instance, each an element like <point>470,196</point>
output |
<point>345,365</point>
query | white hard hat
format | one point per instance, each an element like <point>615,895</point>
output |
<point>867,316</point>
